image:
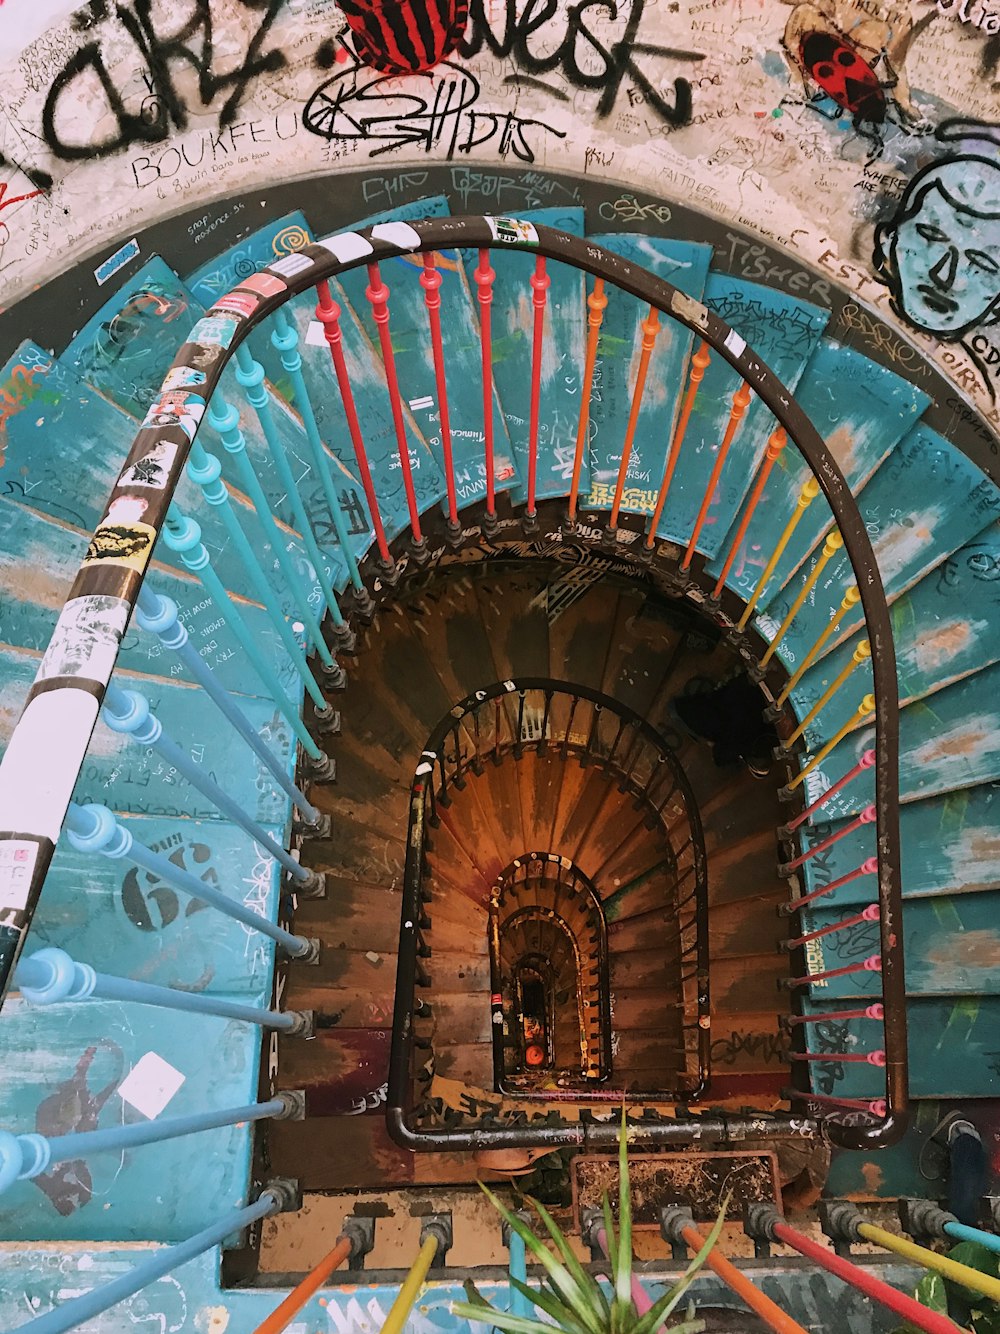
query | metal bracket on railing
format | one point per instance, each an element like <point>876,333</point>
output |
<point>312,888</point>
<point>522,1215</point>
<point>760,1217</point>
<point>286,1191</point>
<point>592,1222</point>
<point>674,1218</point>
<point>991,1212</point>
<point>304,1025</point>
<point>840,1221</point>
<point>923,1219</point>
<point>294,1106</point>
<point>360,1232</point>
<point>439,1227</point>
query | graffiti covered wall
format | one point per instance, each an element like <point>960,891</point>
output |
<point>861,135</point>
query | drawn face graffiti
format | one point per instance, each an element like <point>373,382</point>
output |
<point>941,253</point>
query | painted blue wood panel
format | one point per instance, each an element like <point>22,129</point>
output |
<point>512,326</point>
<point>63,1065</point>
<point>224,271</point>
<point>618,351</point>
<point>783,331</point>
<point>947,843</point>
<point>861,410</point>
<point>926,500</point>
<point>947,741</point>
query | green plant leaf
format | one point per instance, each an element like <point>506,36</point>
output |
<point>583,1280</point>
<point>659,1311</point>
<point>931,1292</point>
<point>623,1272</point>
<point>551,1304</point>
<point>489,1315</point>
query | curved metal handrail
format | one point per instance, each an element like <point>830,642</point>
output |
<point>35,794</point>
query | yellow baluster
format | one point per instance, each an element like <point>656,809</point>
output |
<point>650,328</point>
<point>958,1273</point>
<point>596,303</point>
<point>806,497</point>
<point>407,1295</point>
<point>861,654</point>
<point>851,599</point>
<point>831,546</point>
<point>699,364</point>
<point>865,711</point>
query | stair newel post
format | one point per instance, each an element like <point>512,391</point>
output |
<point>93,828</point>
<point>864,714</point>
<point>50,977</point>
<point>834,542</point>
<point>850,600</point>
<point>285,340</point>
<point>328,314</point>
<point>158,615</point>
<point>593,735</point>
<point>225,419</point>
<point>741,401</point>
<point>861,654</point>
<point>596,305</point>
<point>485,276</point>
<point>378,297</point>
<point>205,471</point>
<point>477,754</point>
<point>569,726</point>
<point>543,740</point>
<point>129,712</point>
<point>609,759</point>
<point>183,535</point>
<point>430,281</point>
<point>540,282</point>
<point>458,779</point>
<point>699,364</point>
<point>650,328</point>
<point>807,495</point>
<point>776,443</point>
<point>250,375</point>
<point>497,756</point>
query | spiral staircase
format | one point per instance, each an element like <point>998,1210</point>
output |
<point>617,515</point>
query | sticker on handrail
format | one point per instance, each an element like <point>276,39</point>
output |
<point>17,865</point>
<point>237,303</point>
<point>215,330</point>
<point>121,537</point>
<point>264,284</point>
<point>174,409</point>
<point>86,638</point>
<point>512,231</point>
<point>153,469</point>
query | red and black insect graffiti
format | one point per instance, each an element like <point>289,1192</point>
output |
<point>843,74</point>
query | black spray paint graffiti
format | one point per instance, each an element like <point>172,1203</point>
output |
<point>163,110</point>
<point>939,254</point>
<point>427,111</point>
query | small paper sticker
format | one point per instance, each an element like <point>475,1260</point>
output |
<point>153,469</point>
<point>240,303</point>
<point>176,409</point>
<point>264,284</point>
<point>735,343</point>
<point>215,330</point>
<point>398,234</point>
<point>291,265</point>
<point>109,267</point>
<point>86,638</point>
<point>17,865</point>
<point>150,1084</point>
<point>121,538</point>
<point>512,231</point>
<point>346,246</point>
<point>182,377</point>
<point>316,334</point>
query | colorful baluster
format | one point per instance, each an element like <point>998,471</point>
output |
<point>431,281</point>
<point>873,964</point>
<point>285,1313</point>
<point>867,816</point>
<point>285,339</point>
<point>378,297</point>
<point>807,495</point>
<point>850,600</point>
<point>52,977</point>
<point>865,712</point>
<point>870,914</point>
<point>741,401</point>
<point>93,828</point>
<point>776,443</point>
<point>540,282</point>
<point>485,276</point>
<point>596,305</point>
<point>861,654</point>
<point>873,1106</point>
<point>868,867</point>
<point>831,546</point>
<point>875,1011</point>
<point>699,364</point>
<point>866,762</point>
<point>650,328</point>
<point>328,314</point>
<point>875,1058</point>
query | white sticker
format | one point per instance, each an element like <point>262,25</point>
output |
<point>512,231</point>
<point>347,246</point>
<point>150,1084</point>
<point>291,265</point>
<point>398,234</point>
<point>153,469</point>
<point>416,404</point>
<point>34,792</point>
<point>17,864</point>
<point>735,343</point>
<point>316,334</point>
<point>86,638</point>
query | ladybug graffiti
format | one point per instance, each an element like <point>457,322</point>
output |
<point>843,74</point>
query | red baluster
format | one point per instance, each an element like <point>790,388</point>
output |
<point>328,314</point>
<point>775,445</point>
<point>741,400</point>
<point>699,364</point>
<point>869,914</point>
<point>867,816</point>
<point>540,281</point>
<point>841,1057</point>
<point>431,281</point>
<point>873,964</point>
<point>485,277</point>
<point>873,1106</point>
<point>866,762</point>
<point>378,295</point>
<point>868,867</point>
<point>875,1011</point>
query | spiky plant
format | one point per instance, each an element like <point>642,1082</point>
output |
<point>569,1295</point>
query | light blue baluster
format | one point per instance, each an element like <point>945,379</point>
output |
<point>250,375</point>
<point>93,828</point>
<point>183,535</point>
<point>276,1197</point>
<point>226,421</point>
<point>158,615</point>
<point>23,1157</point>
<point>519,1304</point>
<point>128,712</point>
<point>205,471</point>
<point>51,977</point>
<point>286,339</point>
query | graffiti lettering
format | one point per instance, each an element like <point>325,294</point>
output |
<point>762,1046</point>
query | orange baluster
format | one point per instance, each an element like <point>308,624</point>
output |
<point>596,303</point>
<point>650,328</point>
<point>282,1315</point>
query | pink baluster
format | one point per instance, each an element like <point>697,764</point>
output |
<point>866,762</point>
<point>431,281</point>
<point>485,277</point>
<point>867,816</point>
<point>540,282</point>
<point>868,867</point>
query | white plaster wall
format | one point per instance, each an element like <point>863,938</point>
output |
<point>752,149</point>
